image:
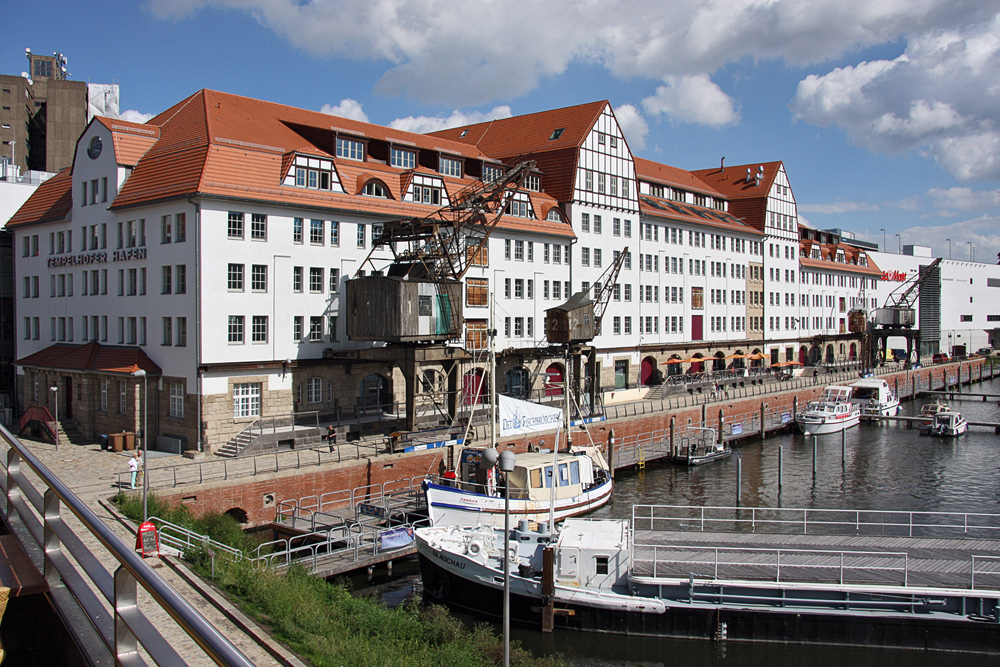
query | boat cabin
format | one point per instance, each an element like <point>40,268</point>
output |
<point>532,476</point>
<point>836,394</point>
<point>594,553</point>
<point>875,390</point>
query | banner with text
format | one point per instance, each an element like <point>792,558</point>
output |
<point>521,417</point>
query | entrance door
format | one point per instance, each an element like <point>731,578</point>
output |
<point>646,372</point>
<point>68,383</point>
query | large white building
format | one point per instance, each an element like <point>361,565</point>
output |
<point>210,248</point>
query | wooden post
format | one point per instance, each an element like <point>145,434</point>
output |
<point>763,412</point>
<point>548,589</point>
<point>611,453</point>
<point>673,433</point>
<point>722,425</point>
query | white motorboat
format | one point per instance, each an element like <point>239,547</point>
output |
<point>934,407</point>
<point>473,497</point>
<point>874,397</point>
<point>950,424</point>
<point>833,412</point>
<point>700,446</point>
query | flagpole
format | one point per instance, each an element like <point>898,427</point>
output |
<point>493,374</point>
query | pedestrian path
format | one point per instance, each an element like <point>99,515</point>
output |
<point>92,474</point>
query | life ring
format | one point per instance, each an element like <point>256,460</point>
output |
<point>513,556</point>
<point>475,547</point>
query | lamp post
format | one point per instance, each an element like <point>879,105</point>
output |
<point>970,250</point>
<point>506,460</point>
<point>883,239</point>
<point>949,248</point>
<point>140,373</point>
<point>55,393</point>
<point>899,245</point>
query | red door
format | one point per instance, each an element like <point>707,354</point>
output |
<point>646,371</point>
<point>553,380</point>
<point>472,389</point>
<point>696,327</point>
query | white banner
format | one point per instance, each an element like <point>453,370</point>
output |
<point>520,417</point>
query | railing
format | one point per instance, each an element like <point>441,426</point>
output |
<point>791,521</point>
<point>274,423</point>
<point>114,626</point>
<point>773,565</point>
<point>41,414</point>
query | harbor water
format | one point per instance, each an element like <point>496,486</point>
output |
<point>874,466</point>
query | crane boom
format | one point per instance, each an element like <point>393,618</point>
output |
<point>607,282</point>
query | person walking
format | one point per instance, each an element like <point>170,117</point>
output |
<point>133,468</point>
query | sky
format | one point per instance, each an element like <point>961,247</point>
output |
<point>885,113</point>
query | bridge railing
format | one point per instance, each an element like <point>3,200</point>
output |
<point>802,521</point>
<point>102,609</point>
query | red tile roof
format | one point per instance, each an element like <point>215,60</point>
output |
<point>665,209</point>
<point>51,201</point>
<point>131,140</point>
<point>733,182</point>
<point>828,262</point>
<point>663,174</point>
<point>92,357</point>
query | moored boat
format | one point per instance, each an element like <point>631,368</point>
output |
<point>874,397</point>
<point>949,424</point>
<point>701,446</point>
<point>832,413</point>
<point>472,497</point>
<point>934,407</point>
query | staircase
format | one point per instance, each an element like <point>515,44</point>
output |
<point>70,434</point>
<point>237,444</point>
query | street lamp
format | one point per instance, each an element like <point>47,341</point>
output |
<point>899,245</point>
<point>883,239</point>
<point>140,373</point>
<point>949,248</point>
<point>506,460</point>
<point>55,392</point>
<point>970,250</point>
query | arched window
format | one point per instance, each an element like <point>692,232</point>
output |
<point>517,382</point>
<point>314,390</point>
<point>554,215</point>
<point>375,189</point>
<point>374,393</point>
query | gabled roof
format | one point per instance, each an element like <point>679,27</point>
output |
<point>733,182</point>
<point>828,251</point>
<point>655,172</point>
<point>131,140</point>
<point>51,201</point>
<point>92,357</point>
<point>531,133</point>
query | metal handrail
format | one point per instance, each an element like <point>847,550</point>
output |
<point>42,521</point>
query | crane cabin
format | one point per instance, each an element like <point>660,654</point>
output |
<point>571,322</point>
<point>395,310</point>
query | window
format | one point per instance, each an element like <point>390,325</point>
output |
<point>246,400</point>
<point>477,292</point>
<point>235,229</point>
<point>177,400</point>
<point>361,236</point>
<point>258,329</point>
<point>597,224</point>
<point>698,297</point>
<point>315,329</point>
<point>351,149</point>
<point>585,256</point>
<point>491,173</point>
<point>519,251</point>
<point>167,279</point>
<point>297,324</point>
<point>166,235</point>
<point>316,232</point>
<point>331,323</point>
<point>168,331</point>
<point>450,167</point>
<point>104,395</point>
<point>314,390</point>
<point>122,396</point>
<point>334,233</point>
<point>315,279</point>
<point>297,274</point>
<point>180,228</point>
<point>258,277</point>
<point>258,227</point>
<point>518,288</point>
<point>235,328</point>
<point>182,332</point>
<point>334,281</point>
<point>597,257</point>
<point>375,189</point>
<point>297,230</point>
<point>585,222</point>
<point>475,334</point>
<point>616,227</point>
<point>403,159</point>
<point>181,283</point>
<point>235,283</point>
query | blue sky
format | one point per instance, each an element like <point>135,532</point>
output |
<point>886,114</point>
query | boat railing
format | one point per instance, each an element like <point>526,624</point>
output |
<point>792,521</point>
<point>879,568</point>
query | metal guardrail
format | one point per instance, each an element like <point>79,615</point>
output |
<point>800,521</point>
<point>773,565</point>
<point>109,622</point>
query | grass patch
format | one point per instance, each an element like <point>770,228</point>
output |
<point>323,622</point>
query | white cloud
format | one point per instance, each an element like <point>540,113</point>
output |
<point>633,125</point>
<point>692,99</point>
<point>425,124</point>
<point>940,98</point>
<point>134,116</point>
<point>976,237</point>
<point>947,201</point>
<point>347,108</point>
<point>837,207</point>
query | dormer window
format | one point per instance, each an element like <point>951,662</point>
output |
<point>519,206</point>
<point>491,173</point>
<point>816,254</point>
<point>841,258</point>
<point>450,167</point>
<point>863,259</point>
<point>699,200</point>
<point>533,182</point>
<point>375,189</point>
<point>402,159</point>
<point>556,134</point>
<point>352,149</point>
<point>313,173</point>
<point>554,215</point>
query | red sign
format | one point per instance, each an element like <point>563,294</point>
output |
<point>896,276</point>
<point>147,540</point>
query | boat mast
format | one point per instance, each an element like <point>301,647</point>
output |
<point>493,374</point>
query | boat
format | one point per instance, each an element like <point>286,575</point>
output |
<point>949,424</point>
<point>875,398</point>
<point>472,497</point>
<point>832,413</point>
<point>934,407</point>
<point>700,446</point>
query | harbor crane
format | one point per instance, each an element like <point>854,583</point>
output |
<point>898,317</point>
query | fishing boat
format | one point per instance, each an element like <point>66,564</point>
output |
<point>700,446</point>
<point>949,424</point>
<point>832,413</point>
<point>473,497</point>
<point>875,398</point>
